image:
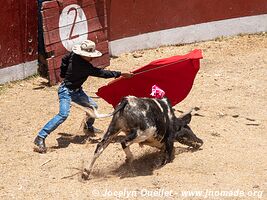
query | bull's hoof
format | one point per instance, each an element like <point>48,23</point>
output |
<point>166,161</point>
<point>197,145</point>
<point>85,174</point>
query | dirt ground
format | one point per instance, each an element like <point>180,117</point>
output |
<point>231,92</point>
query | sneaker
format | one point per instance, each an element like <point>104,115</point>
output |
<point>39,145</point>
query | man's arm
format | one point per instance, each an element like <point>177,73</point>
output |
<point>108,73</point>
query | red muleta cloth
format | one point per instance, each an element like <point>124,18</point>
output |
<point>174,75</point>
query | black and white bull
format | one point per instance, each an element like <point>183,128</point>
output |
<point>146,121</point>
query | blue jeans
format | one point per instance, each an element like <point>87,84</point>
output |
<point>65,97</point>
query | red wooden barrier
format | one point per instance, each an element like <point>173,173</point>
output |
<point>144,16</point>
<point>69,22</point>
<point>18,35</point>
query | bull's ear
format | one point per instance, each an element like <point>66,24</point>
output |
<point>186,118</point>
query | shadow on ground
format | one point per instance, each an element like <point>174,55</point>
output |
<point>66,139</point>
<point>42,85</point>
<point>144,165</point>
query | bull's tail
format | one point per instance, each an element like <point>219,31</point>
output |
<point>121,105</point>
<point>92,112</point>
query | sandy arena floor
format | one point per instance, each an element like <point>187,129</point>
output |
<point>231,91</point>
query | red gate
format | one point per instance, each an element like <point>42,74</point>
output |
<point>69,22</point>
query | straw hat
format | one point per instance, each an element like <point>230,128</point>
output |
<point>86,48</point>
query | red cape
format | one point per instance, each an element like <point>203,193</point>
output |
<point>174,75</point>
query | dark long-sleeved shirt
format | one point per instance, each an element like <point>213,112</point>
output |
<point>75,70</point>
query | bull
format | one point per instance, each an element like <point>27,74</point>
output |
<point>146,121</point>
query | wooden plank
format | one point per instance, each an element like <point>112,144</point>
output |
<point>57,75</point>
<point>98,37</point>
<point>53,68</point>
<point>51,63</point>
<point>101,61</point>
<point>51,23</point>
<point>49,4</point>
<point>50,12</point>
<point>54,62</point>
<point>56,11</point>
<point>52,77</point>
<point>64,3</point>
<point>57,49</point>
<point>18,35</point>
<point>31,27</point>
<point>96,19</point>
<point>82,3</point>
<point>94,24</point>
<point>102,47</point>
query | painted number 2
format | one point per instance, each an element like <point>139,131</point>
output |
<point>73,24</point>
<point>73,28</point>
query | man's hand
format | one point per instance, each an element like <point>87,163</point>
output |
<point>127,74</point>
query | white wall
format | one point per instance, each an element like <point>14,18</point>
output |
<point>18,72</point>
